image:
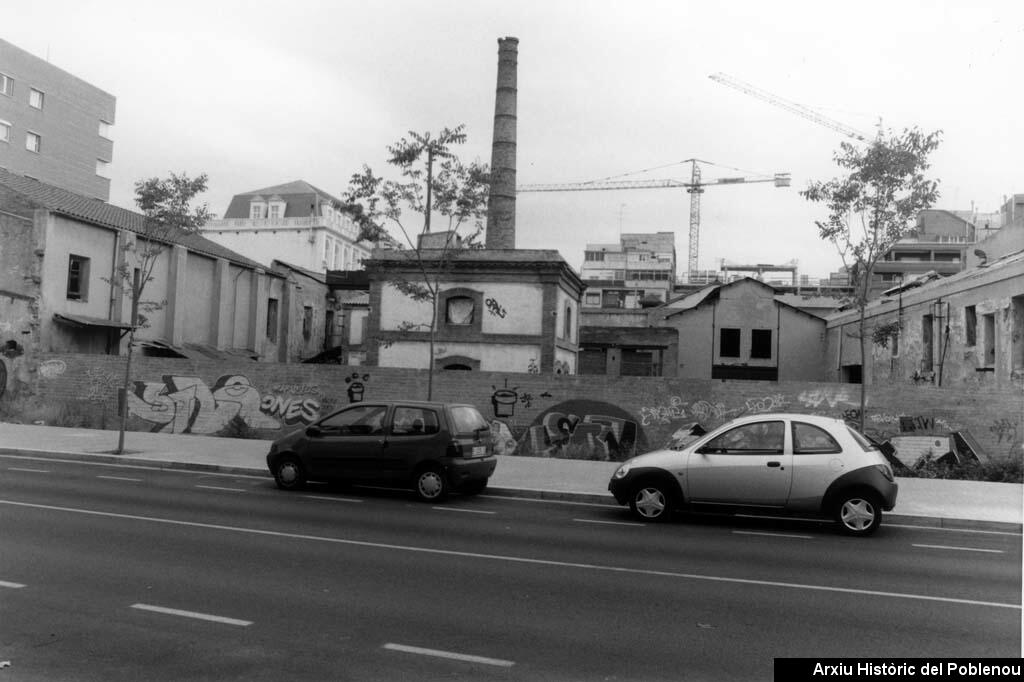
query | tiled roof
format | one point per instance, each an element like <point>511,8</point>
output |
<point>301,199</point>
<point>100,213</point>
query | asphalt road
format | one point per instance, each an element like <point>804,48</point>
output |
<point>126,573</point>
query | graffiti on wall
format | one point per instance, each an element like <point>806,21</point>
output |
<point>677,409</point>
<point>831,398</point>
<point>494,308</point>
<point>51,369</point>
<point>185,404</point>
<point>356,386</point>
<point>583,429</point>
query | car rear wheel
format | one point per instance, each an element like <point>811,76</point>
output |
<point>430,485</point>
<point>651,501</point>
<point>859,513</point>
<point>289,474</point>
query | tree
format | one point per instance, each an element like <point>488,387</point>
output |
<point>456,191</point>
<point>166,204</point>
<point>872,208</point>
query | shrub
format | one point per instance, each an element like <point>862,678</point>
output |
<point>1009,470</point>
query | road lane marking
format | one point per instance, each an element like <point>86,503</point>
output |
<point>155,465</point>
<point>611,523</point>
<point>121,478</point>
<point>516,559</point>
<point>218,487</point>
<point>463,511</point>
<point>192,614</point>
<point>961,549</point>
<point>13,586</point>
<point>449,654</point>
<point>773,535</point>
<point>332,499</point>
<point>954,530</point>
<point>31,471</point>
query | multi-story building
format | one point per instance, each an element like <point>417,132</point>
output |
<point>54,127</point>
<point>294,222</point>
<point>639,270</point>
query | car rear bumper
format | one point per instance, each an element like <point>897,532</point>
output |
<point>462,470</point>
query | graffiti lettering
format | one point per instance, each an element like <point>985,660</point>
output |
<point>526,399</point>
<point>819,397</point>
<point>181,404</point>
<point>1004,430</point>
<point>767,404</point>
<point>290,410</point>
<point>494,308</point>
<point>908,424</point>
<point>102,385</point>
<point>51,369</point>
<point>604,432</point>
<point>663,414</point>
<point>298,389</point>
<point>705,411</point>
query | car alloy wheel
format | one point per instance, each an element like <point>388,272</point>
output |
<point>289,474</point>
<point>650,503</point>
<point>859,514</point>
<point>430,485</point>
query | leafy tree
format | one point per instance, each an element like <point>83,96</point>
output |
<point>454,190</point>
<point>166,204</point>
<point>872,208</point>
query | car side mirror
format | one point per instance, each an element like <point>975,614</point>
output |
<point>313,431</point>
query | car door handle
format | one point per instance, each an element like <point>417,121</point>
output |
<point>774,464</point>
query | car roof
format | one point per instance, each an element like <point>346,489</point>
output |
<point>809,418</point>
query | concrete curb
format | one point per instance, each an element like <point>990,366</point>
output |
<point>522,493</point>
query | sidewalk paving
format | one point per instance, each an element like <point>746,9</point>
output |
<point>938,503</point>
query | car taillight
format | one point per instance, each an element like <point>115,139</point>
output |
<point>455,449</point>
<point>886,471</point>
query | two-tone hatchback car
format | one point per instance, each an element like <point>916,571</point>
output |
<point>431,447</point>
<point>795,463</point>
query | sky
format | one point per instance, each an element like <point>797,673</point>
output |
<point>259,93</point>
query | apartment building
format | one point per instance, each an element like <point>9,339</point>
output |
<point>639,270</point>
<point>294,222</point>
<point>54,127</point>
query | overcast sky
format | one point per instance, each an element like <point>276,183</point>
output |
<point>259,93</point>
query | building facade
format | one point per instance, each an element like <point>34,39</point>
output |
<point>294,222</point>
<point>60,255</point>
<point>500,310</point>
<point>54,127</point>
<point>639,270</point>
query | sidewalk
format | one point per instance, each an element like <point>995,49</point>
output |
<point>938,503</point>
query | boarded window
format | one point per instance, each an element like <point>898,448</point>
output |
<point>990,339</point>
<point>307,322</point>
<point>729,345</point>
<point>761,343</point>
<point>970,326</point>
<point>272,319</point>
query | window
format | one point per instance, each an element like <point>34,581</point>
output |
<point>970,326</point>
<point>414,421</point>
<point>5,131</point>
<point>6,85</point>
<point>275,211</point>
<point>593,299</point>
<point>989,326</point>
<point>105,130</point>
<point>307,322</point>
<point>927,352</point>
<point>35,98</point>
<point>812,440</point>
<point>729,343</point>
<point>327,251</point>
<point>272,319</point>
<point>756,438</point>
<point>568,322</point>
<point>593,255</point>
<point>761,343</point>
<point>33,142</point>
<point>337,255</point>
<point>459,310</point>
<point>78,278</point>
<point>103,168</point>
<point>364,420</point>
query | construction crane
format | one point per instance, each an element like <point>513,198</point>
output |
<point>695,187</point>
<point>790,106</point>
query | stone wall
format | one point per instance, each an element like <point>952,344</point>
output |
<point>542,415</point>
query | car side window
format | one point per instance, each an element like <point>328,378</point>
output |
<point>756,438</point>
<point>414,421</point>
<point>809,439</point>
<point>363,420</point>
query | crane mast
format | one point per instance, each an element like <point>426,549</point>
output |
<point>695,187</point>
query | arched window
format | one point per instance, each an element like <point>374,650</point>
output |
<point>460,310</point>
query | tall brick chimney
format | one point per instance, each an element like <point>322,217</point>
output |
<point>501,203</point>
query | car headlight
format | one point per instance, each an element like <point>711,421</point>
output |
<point>621,471</point>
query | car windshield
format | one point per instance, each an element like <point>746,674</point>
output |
<point>467,419</point>
<point>861,439</point>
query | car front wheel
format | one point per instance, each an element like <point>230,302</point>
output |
<point>859,513</point>
<point>650,502</point>
<point>289,474</point>
<point>430,485</point>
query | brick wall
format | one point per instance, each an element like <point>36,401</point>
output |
<point>533,414</point>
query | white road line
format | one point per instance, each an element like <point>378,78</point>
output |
<point>31,471</point>
<point>155,466</point>
<point>121,478</point>
<point>13,586</point>
<point>960,549</point>
<point>332,499</point>
<point>517,559</point>
<point>192,614</point>
<point>464,511</point>
<point>611,523</point>
<point>449,654</point>
<point>217,487</point>
<point>954,530</point>
<point>773,535</point>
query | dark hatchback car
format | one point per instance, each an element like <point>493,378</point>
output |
<point>431,447</point>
